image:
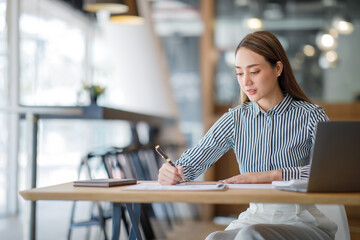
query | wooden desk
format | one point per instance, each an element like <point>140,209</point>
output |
<point>66,191</point>
<point>118,195</point>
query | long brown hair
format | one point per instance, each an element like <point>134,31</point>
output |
<point>267,45</point>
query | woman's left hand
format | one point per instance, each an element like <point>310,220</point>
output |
<point>256,177</point>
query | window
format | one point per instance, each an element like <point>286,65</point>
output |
<point>52,50</point>
<point>3,103</point>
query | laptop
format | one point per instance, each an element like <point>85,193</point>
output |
<point>335,165</point>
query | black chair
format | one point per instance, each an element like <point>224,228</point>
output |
<point>136,161</point>
<point>150,162</point>
<point>112,163</point>
<point>97,165</point>
<point>133,169</point>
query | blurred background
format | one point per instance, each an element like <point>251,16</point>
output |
<point>176,61</point>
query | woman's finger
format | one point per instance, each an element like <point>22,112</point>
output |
<point>168,175</point>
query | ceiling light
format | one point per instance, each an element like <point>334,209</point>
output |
<point>112,6</point>
<point>127,19</point>
<point>254,23</point>
<point>309,50</point>
<point>328,59</point>
<point>342,25</point>
<point>331,56</point>
<point>325,41</point>
<point>132,16</point>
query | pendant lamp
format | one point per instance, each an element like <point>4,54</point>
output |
<point>132,16</point>
<point>111,6</point>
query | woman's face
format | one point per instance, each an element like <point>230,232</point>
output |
<point>257,78</point>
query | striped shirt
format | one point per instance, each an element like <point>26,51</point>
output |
<point>281,138</point>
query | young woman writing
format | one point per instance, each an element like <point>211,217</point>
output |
<point>272,134</point>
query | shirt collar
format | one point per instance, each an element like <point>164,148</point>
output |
<point>278,109</point>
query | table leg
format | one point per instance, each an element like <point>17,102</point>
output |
<point>32,153</point>
<point>116,221</point>
<point>134,214</point>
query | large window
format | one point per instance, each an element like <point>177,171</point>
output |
<point>3,103</point>
<point>56,46</point>
<point>52,50</point>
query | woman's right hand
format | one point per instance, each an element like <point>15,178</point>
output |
<point>169,175</point>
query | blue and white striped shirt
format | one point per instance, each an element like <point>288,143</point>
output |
<point>281,138</point>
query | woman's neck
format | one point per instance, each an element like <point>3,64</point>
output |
<point>267,104</point>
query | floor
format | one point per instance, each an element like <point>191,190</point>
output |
<point>53,219</point>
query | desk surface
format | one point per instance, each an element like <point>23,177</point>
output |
<point>88,112</point>
<point>66,191</point>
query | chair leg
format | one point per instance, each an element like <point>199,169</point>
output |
<point>71,220</point>
<point>134,214</point>
<point>146,211</point>
<point>102,220</point>
<point>126,223</point>
<point>116,221</point>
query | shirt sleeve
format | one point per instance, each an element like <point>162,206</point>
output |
<point>216,142</point>
<point>303,172</point>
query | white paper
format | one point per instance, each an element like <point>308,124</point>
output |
<point>292,185</point>
<point>250,186</point>
<point>183,186</point>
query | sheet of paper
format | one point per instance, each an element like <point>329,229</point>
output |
<point>183,187</point>
<point>250,186</point>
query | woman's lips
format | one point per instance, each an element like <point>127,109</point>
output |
<point>251,91</point>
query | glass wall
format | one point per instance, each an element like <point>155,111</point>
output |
<point>52,50</point>
<point>320,38</point>
<point>54,53</point>
<point>3,103</point>
<point>180,34</point>
<point>54,56</point>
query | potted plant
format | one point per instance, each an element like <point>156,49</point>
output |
<point>94,91</point>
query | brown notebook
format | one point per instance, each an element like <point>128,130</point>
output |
<point>104,182</point>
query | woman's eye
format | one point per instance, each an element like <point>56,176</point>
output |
<point>254,73</point>
<point>239,74</point>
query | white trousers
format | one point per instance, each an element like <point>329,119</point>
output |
<point>278,221</point>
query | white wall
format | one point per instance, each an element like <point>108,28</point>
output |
<point>135,75</point>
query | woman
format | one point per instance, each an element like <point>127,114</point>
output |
<point>272,133</point>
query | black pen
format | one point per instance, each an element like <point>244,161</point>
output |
<point>165,157</point>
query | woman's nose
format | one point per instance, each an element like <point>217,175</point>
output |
<point>247,80</point>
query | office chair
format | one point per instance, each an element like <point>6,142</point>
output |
<point>337,213</point>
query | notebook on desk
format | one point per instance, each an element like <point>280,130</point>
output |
<point>335,164</point>
<point>105,182</point>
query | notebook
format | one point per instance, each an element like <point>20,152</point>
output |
<point>104,182</point>
<point>335,163</point>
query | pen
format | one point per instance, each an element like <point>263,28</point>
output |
<point>165,157</point>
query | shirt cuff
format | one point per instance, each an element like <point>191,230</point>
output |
<point>295,173</point>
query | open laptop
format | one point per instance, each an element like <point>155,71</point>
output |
<point>335,164</point>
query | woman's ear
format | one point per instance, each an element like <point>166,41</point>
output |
<point>279,68</point>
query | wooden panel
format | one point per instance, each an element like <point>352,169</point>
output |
<point>207,68</point>
<point>342,111</point>
<point>226,167</point>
